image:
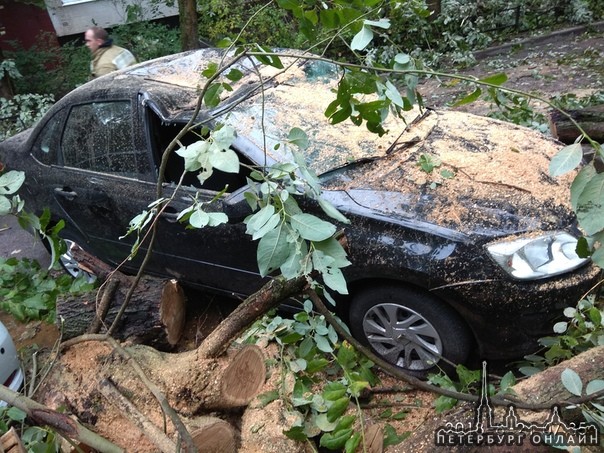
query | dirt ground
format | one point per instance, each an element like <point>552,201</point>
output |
<point>565,62</point>
<point>562,64</point>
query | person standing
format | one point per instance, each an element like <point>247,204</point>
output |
<point>106,57</point>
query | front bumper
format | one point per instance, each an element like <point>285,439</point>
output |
<point>509,317</point>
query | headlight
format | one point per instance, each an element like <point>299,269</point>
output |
<point>538,257</point>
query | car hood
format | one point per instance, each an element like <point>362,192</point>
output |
<point>461,172</point>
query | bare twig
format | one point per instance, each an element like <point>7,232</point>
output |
<point>153,433</point>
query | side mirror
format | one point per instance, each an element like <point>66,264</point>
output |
<point>235,205</point>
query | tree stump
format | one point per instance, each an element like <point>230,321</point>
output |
<point>154,316</point>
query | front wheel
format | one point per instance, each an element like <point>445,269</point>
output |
<point>410,329</point>
<point>67,260</point>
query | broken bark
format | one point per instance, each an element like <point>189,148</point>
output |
<point>591,119</point>
<point>155,315</point>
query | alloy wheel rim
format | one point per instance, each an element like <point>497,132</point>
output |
<point>402,336</point>
<point>71,265</point>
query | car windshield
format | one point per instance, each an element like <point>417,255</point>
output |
<point>299,100</point>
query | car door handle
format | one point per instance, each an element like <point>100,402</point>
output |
<point>66,192</point>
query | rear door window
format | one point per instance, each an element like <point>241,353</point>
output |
<point>99,137</point>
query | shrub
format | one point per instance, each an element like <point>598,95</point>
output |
<point>272,26</point>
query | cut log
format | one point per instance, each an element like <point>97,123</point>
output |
<point>591,119</point>
<point>243,378</point>
<point>227,383</point>
<point>10,442</point>
<point>155,315</point>
<point>214,435</point>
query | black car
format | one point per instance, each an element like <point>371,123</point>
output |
<point>460,241</point>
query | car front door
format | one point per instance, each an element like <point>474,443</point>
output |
<point>220,257</point>
<point>104,177</point>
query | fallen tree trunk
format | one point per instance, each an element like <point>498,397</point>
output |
<point>62,423</point>
<point>154,316</point>
<point>544,387</point>
<point>591,119</point>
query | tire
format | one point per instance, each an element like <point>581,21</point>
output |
<point>410,329</point>
<point>67,260</point>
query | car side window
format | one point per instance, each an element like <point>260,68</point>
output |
<point>162,133</point>
<point>99,137</point>
<point>46,146</point>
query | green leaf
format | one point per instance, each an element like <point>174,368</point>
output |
<point>211,69</point>
<point>273,250</point>
<point>443,403</point>
<point>353,443</point>
<point>590,208</point>
<point>259,219</point>
<point>362,38</point>
<point>323,424</point>
<point>211,98</point>
<point>11,181</point>
<point>234,75</point>
<point>594,386</point>
<point>345,422</point>
<point>323,344</point>
<point>199,219</point>
<point>226,161</point>
<point>356,387</point>
<point>337,408</point>
<point>272,223</point>
<point>598,257</point>
<point>5,205</point>
<point>334,279</point>
<point>595,316</point>
<point>382,23</point>
<point>298,137</point>
<point>469,98</point>
<point>336,440</point>
<point>579,183</point>
<point>394,95</point>
<point>495,79</point>
<point>567,159</point>
<point>347,356</point>
<point>333,391</point>
<point>572,381</point>
<point>507,381</point>
<point>296,433</point>
<point>316,365</point>
<point>16,414</point>
<point>392,438</point>
<point>268,397</point>
<point>340,115</point>
<point>311,227</point>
